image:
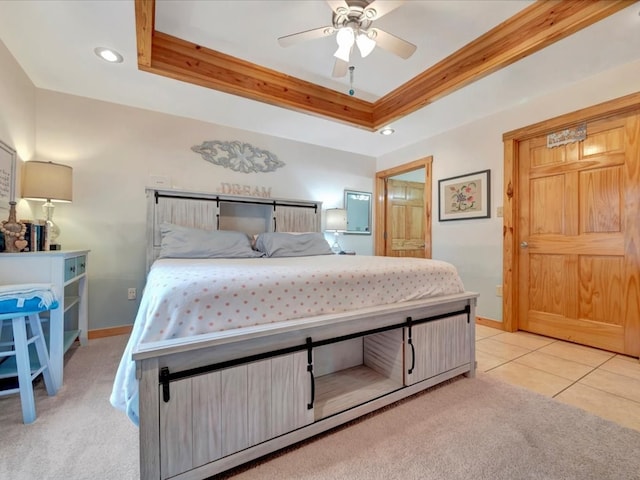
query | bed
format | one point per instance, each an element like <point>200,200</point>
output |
<point>233,358</point>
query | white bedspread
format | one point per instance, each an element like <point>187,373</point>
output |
<point>186,297</point>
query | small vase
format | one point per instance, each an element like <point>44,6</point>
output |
<point>13,232</point>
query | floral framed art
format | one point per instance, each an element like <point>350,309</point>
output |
<point>465,196</point>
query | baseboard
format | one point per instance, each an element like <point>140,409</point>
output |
<point>487,322</point>
<point>110,332</point>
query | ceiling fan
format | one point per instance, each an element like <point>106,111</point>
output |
<point>352,23</point>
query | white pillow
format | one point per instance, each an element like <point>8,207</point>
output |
<point>292,244</point>
<point>186,242</point>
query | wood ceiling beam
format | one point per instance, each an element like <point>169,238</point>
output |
<point>189,62</point>
<point>532,29</point>
<point>145,26</point>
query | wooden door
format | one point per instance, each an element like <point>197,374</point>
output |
<point>579,236</point>
<point>405,219</point>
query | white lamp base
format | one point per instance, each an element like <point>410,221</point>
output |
<point>336,248</point>
<point>54,230</point>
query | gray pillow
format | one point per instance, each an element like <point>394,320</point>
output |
<point>292,245</point>
<point>185,242</point>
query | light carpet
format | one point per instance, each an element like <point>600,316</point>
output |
<point>77,433</point>
<point>467,429</point>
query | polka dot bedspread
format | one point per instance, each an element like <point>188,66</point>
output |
<point>188,297</point>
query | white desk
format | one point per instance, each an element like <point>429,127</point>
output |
<point>67,271</point>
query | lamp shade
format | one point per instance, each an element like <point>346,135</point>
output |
<point>47,181</point>
<point>336,219</point>
<point>365,44</point>
<point>345,38</point>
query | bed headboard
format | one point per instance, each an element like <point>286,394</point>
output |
<point>212,211</point>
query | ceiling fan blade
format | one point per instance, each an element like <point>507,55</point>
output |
<point>393,44</point>
<point>337,5</point>
<point>294,38</point>
<point>377,9</point>
<point>340,68</point>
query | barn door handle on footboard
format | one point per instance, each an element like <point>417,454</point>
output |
<point>413,349</point>
<point>310,370</point>
<point>313,387</point>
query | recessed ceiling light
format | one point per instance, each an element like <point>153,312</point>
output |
<point>387,131</point>
<point>108,55</point>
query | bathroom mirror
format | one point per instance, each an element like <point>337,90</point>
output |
<point>358,206</point>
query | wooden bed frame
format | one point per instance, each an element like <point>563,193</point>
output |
<point>215,401</point>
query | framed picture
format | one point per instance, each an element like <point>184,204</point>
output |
<point>465,196</point>
<point>7,175</point>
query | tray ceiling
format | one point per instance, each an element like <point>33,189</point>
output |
<point>57,54</point>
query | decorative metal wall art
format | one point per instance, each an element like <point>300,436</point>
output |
<point>238,156</point>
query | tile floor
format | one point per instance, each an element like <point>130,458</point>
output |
<point>600,382</point>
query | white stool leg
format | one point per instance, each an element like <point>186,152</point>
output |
<point>24,369</point>
<point>43,354</point>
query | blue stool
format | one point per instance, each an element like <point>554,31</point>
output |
<point>22,313</point>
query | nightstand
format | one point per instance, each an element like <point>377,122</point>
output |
<point>67,271</point>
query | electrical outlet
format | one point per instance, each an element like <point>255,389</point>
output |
<point>498,290</point>
<point>131,294</point>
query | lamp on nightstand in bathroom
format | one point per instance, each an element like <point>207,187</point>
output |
<point>336,222</point>
<point>51,182</point>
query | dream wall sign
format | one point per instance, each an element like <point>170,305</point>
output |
<point>244,190</point>
<point>238,156</point>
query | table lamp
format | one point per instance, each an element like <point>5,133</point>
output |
<point>51,182</point>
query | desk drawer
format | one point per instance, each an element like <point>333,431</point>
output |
<point>81,265</point>
<point>74,267</point>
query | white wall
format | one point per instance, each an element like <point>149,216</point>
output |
<point>475,246</point>
<point>17,112</point>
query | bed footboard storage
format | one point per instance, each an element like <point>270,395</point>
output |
<point>209,404</point>
<point>435,347</point>
<point>209,416</point>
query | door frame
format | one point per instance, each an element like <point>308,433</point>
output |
<point>511,199</point>
<point>381,202</point>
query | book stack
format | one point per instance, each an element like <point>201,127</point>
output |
<point>36,235</point>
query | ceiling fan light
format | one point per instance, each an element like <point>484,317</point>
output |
<point>345,37</point>
<point>343,53</point>
<point>365,44</point>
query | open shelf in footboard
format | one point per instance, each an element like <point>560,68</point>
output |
<point>348,388</point>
